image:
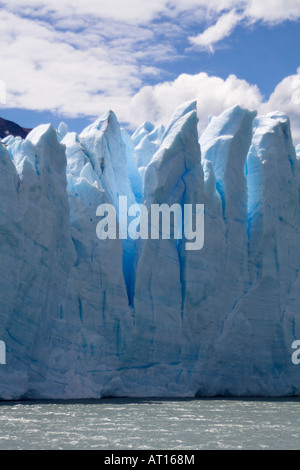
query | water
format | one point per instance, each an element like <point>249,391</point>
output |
<point>151,425</point>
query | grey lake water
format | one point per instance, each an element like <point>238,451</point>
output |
<point>119,424</point>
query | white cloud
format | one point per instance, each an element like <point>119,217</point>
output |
<point>214,34</point>
<point>272,11</point>
<point>143,11</point>
<point>134,12</point>
<point>286,98</point>
<point>45,68</point>
<point>268,11</point>
<point>213,94</point>
<point>82,58</point>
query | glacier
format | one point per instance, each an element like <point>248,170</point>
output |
<point>83,318</point>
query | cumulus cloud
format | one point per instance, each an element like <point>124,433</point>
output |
<point>213,95</point>
<point>286,98</point>
<point>82,58</point>
<point>75,73</point>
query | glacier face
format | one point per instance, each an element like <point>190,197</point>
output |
<point>89,318</point>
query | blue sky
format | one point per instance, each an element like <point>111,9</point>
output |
<point>67,61</point>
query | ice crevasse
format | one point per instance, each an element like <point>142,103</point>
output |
<point>87,318</point>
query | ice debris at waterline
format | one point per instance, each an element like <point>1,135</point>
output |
<point>84,318</point>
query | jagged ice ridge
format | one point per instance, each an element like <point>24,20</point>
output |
<point>84,318</point>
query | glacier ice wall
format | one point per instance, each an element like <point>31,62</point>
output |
<point>84,318</point>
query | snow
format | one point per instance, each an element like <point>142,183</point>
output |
<point>146,140</point>
<point>133,173</point>
<point>89,318</point>
<point>62,131</point>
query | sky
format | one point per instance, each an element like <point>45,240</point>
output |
<point>72,61</point>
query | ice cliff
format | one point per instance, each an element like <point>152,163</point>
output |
<point>89,318</point>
